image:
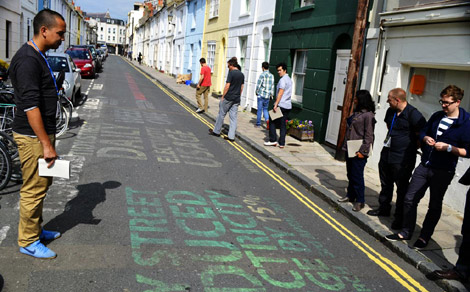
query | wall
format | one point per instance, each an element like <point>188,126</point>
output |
<point>194,32</point>
<point>10,11</point>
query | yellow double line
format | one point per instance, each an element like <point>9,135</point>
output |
<point>392,269</point>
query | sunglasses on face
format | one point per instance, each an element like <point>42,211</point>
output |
<point>446,103</point>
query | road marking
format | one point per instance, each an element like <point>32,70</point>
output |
<point>3,233</point>
<point>89,87</point>
<point>392,269</point>
<point>97,87</point>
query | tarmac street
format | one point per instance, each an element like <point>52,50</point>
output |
<point>154,203</point>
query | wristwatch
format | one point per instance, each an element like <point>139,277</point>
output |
<point>449,148</point>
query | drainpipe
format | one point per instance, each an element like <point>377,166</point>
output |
<point>253,33</point>
<point>376,60</point>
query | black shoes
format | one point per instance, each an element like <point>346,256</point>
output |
<point>396,225</point>
<point>227,138</point>
<point>211,132</point>
<point>419,244</point>
<point>446,274</point>
<point>378,212</point>
<point>395,237</point>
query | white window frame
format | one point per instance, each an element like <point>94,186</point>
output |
<point>211,49</point>
<point>193,18</point>
<point>242,50</point>
<point>245,7</point>
<point>304,3</point>
<point>297,75</point>
<point>191,57</point>
<point>214,9</point>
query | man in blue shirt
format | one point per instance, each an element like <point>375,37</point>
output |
<point>282,103</point>
<point>445,137</point>
<point>264,91</point>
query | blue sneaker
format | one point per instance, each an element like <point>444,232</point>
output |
<point>38,250</point>
<point>47,235</point>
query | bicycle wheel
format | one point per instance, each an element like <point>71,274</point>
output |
<point>9,144</point>
<point>63,119</point>
<point>5,167</point>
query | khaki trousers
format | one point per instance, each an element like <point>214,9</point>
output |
<point>34,188</point>
<point>203,90</point>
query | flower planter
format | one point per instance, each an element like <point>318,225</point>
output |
<point>300,134</point>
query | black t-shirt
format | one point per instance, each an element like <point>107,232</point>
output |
<point>34,87</point>
<point>403,135</point>
<point>236,80</point>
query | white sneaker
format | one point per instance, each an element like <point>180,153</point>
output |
<point>199,110</point>
<point>270,143</point>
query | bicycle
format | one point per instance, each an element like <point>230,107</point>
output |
<point>5,166</point>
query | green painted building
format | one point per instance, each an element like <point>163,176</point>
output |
<point>309,35</point>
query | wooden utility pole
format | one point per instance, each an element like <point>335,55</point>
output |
<point>353,70</point>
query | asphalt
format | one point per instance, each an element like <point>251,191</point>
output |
<point>313,165</point>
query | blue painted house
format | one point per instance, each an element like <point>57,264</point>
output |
<point>193,43</point>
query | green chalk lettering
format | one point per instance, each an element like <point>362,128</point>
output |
<point>137,241</point>
<point>243,231</point>
<point>297,283</point>
<point>147,225</point>
<point>294,245</point>
<point>142,201</point>
<point>159,286</point>
<point>145,212</point>
<point>155,258</point>
<point>216,232</point>
<point>278,233</point>
<point>323,251</point>
<point>308,265</point>
<point>208,279</point>
<point>183,197</point>
<point>330,281</point>
<point>211,243</point>
<point>192,213</point>
<point>257,261</point>
<point>257,241</point>
<point>218,204</point>
<point>250,224</point>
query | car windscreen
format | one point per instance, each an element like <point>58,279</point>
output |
<point>79,54</point>
<point>58,63</point>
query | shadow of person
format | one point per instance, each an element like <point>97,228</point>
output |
<point>1,283</point>
<point>79,210</point>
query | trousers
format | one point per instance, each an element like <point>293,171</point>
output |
<point>34,189</point>
<point>232,108</point>
<point>355,172</point>
<point>203,90</point>
<point>423,177</point>
<point>281,124</point>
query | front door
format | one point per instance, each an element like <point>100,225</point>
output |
<point>337,96</point>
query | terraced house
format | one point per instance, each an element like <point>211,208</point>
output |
<point>193,38</point>
<point>314,38</point>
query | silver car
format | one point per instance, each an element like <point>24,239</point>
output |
<point>72,83</point>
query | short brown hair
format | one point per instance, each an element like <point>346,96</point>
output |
<point>398,93</point>
<point>454,91</point>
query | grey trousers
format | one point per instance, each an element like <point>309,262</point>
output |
<point>232,108</point>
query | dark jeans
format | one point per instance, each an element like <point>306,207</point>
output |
<point>391,174</point>
<point>355,171</point>
<point>423,177</point>
<point>281,124</point>
<point>463,263</point>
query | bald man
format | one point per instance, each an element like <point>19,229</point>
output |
<point>398,156</point>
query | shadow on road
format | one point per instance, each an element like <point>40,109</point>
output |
<point>79,210</point>
<point>1,283</point>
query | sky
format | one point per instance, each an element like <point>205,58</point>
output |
<point>117,8</point>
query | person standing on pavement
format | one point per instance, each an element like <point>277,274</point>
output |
<point>230,100</point>
<point>360,127</point>
<point>446,137</point>
<point>282,103</point>
<point>264,91</point>
<point>34,127</point>
<point>461,271</point>
<point>203,86</point>
<point>398,156</point>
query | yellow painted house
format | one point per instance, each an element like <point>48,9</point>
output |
<point>215,39</point>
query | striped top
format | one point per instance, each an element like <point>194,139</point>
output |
<point>444,124</point>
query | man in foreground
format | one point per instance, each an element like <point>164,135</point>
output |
<point>34,127</point>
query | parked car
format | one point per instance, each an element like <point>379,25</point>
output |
<point>72,82</point>
<point>94,54</point>
<point>105,50</point>
<point>83,59</point>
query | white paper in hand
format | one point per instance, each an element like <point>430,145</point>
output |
<point>275,115</point>
<point>60,168</point>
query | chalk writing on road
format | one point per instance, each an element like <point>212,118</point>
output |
<point>238,244</point>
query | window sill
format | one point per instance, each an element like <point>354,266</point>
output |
<point>305,8</point>
<point>246,14</point>
<point>213,17</point>
<point>297,104</point>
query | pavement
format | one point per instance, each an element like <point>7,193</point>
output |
<point>314,166</point>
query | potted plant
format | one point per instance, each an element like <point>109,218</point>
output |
<point>301,130</point>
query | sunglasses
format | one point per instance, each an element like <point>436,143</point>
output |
<point>446,103</point>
